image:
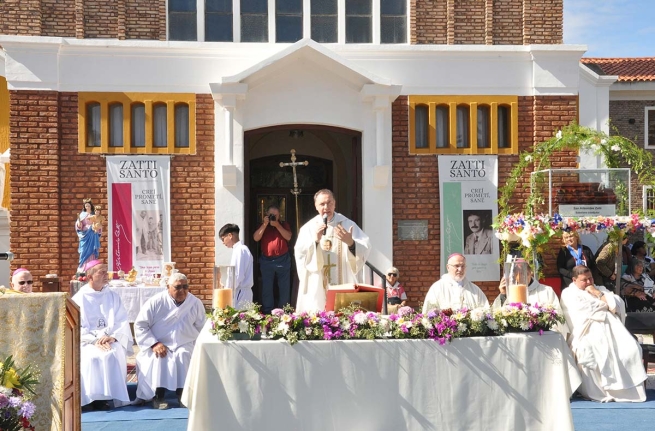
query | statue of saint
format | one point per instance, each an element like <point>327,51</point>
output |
<point>89,228</point>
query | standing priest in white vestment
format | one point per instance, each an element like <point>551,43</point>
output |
<point>106,340</point>
<point>453,290</point>
<point>330,250</point>
<point>166,330</point>
<point>608,356</point>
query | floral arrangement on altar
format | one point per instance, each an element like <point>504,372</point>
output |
<point>16,388</point>
<point>355,323</point>
<point>228,322</point>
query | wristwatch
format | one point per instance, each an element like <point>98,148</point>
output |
<point>601,295</point>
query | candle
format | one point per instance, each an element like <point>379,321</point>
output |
<point>517,293</point>
<point>222,298</point>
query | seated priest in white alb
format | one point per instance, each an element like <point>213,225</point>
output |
<point>453,290</point>
<point>166,330</point>
<point>538,294</point>
<point>106,340</point>
<point>607,355</point>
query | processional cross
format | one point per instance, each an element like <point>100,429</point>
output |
<point>295,191</point>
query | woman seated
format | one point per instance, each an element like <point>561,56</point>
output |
<point>637,288</point>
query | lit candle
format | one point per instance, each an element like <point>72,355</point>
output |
<point>222,298</point>
<point>517,293</point>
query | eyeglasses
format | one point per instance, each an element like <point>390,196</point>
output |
<point>460,266</point>
<point>392,274</point>
<point>181,286</point>
<point>22,282</point>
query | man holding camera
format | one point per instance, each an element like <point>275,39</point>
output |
<point>273,237</point>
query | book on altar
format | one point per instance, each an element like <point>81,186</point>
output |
<point>365,296</point>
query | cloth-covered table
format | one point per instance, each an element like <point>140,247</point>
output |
<point>517,381</point>
<point>134,296</point>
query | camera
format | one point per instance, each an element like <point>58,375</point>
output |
<point>272,217</point>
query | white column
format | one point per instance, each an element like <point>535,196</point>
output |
<point>229,134</point>
<point>236,20</point>
<point>341,19</point>
<point>306,19</point>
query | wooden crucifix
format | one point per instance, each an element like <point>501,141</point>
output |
<point>295,191</point>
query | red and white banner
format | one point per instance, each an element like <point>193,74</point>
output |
<point>139,213</point>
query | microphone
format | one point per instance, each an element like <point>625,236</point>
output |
<point>7,256</point>
<point>324,222</point>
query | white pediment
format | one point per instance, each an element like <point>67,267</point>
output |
<point>305,50</point>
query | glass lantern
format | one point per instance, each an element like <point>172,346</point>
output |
<point>517,279</point>
<point>224,279</point>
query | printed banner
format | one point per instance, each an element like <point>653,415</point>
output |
<point>139,213</point>
<point>469,184</point>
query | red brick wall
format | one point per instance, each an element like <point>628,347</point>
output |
<point>145,19</point>
<point>416,187</point>
<point>100,19</point>
<point>58,18</point>
<point>429,25</point>
<point>51,178</point>
<point>507,22</point>
<point>20,17</point>
<point>543,21</point>
<point>469,22</point>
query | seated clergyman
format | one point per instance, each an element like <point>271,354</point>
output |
<point>106,341</point>
<point>607,355</point>
<point>166,330</point>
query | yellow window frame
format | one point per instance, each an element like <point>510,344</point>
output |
<point>127,100</point>
<point>472,101</point>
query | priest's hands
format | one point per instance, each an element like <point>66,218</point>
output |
<point>345,235</point>
<point>594,292</point>
<point>104,342</point>
<point>159,350</point>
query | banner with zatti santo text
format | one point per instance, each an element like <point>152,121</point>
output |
<point>469,191</point>
<point>139,213</point>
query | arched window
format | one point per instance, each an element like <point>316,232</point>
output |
<point>422,124</point>
<point>443,126</point>
<point>504,126</point>
<point>484,126</point>
<point>138,115</point>
<point>182,125</point>
<point>159,125</point>
<point>115,124</point>
<point>93,124</point>
<point>463,125</point>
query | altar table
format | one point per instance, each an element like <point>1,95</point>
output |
<point>513,382</point>
<point>133,297</point>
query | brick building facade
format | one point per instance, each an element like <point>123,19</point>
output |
<point>50,177</point>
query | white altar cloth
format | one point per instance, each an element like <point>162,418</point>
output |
<point>518,381</point>
<point>134,296</point>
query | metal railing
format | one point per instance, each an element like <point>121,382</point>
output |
<point>373,271</point>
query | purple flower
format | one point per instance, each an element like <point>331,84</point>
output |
<point>27,410</point>
<point>4,401</point>
<point>277,312</point>
<point>432,314</point>
<point>393,317</point>
<point>404,329</point>
<point>405,311</point>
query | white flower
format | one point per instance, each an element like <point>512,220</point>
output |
<point>461,327</point>
<point>603,141</point>
<point>308,331</point>
<point>243,326</point>
<point>558,135</point>
<point>492,324</point>
<point>616,148</point>
<point>504,322</point>
<point>524,326</point>
<point>345,326</point>
<point>426,323</point>
<point>594,147</point>
<point>384,324</point>
<point>220,322</point>
<point>282,327</point>
<point>477,314</point>
<point>528,158</point>
<point>360,318</point>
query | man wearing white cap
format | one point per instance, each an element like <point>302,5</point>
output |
<point>453,290</point>
<point>106,340</point>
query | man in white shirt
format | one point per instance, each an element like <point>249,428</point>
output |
<point>166,330</point>
<point>330,250</point>
<point>453,290</point>
<point>242,263</point>
<point>106,340</point>
<point>480,239</point>
<point>607,355</point>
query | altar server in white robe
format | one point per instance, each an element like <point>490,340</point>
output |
<point>454,290</point>
<point>330,250</point>
<point>166,330</point>
<point>242,262</point>
<point>106,340</point>
<point>607,355</point>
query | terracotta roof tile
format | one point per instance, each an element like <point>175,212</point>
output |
<point>627,69</point>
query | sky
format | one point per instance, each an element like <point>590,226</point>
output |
<point>611,28</point>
